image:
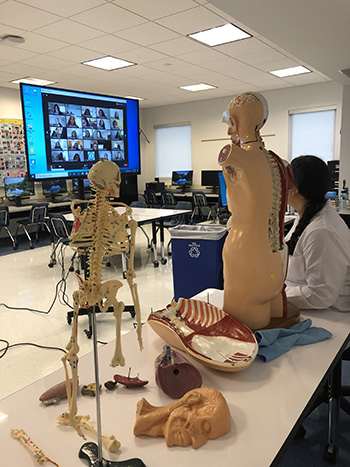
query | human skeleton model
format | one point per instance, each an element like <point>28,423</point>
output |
<point>257,182</point>
<point>99,230</point>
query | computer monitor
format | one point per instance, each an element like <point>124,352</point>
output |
<point>18,188</point>
<point>210,179</point>
<point>222,187</point>
<point>54,187</point>
<point>86,185</point>
<point>182,178</point>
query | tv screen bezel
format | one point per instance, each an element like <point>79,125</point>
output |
<point>33,175</point>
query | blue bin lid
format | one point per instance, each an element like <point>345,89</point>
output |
<point>202,232</point>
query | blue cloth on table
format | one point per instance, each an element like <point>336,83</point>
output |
<point>276,342</point>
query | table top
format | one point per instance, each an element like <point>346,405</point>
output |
<point>144,215</point>
<point>265,401</point>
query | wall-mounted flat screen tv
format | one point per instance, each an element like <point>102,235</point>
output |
<point>67,132</point>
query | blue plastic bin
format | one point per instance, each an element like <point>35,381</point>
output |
<point>197,258</point>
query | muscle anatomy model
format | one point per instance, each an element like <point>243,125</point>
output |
<point>99,230</point>
<point>257,183</point>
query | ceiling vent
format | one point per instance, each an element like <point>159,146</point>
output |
<point>11,39</point>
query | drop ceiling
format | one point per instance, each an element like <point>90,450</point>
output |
<point>60,35</point>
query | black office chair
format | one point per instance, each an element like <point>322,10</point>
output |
<point>60,230</point>
<point>177,220</point>
<point>37,217</point>
<point>335,396</point>
<point>201,209</point>
<point>168,199</point>
<point>151,199</point>
<point>5,222</point>
<point>141,204</point>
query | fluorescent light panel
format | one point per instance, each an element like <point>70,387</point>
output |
<point>198,87</point>
<point>295,70</point>
<point>137,98</point>
<point>28,80</point>
<point>220,35</point>
<point>109,63</point>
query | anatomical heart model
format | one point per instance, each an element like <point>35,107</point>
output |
<point>99,230</point>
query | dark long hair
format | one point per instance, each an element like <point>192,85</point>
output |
<point>313,179</point>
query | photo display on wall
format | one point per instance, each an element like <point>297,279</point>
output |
<point>12,149</point>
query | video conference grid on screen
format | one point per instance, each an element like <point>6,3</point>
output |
<point>82,133</point>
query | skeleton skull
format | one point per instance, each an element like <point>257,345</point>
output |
<point>201,414</point>
<point>105,175</point>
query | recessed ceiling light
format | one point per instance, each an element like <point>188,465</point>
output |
<point>295,70</point>
<point>136,98</point>
<point>198,87</point>
<point>220,35</point>
<point>109,63</point>
<point>28,80</point>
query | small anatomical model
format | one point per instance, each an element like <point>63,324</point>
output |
<point>175,375</point>
<point>38,454</point>
<point>257,182</point>
<point>207,333</point>
<point>199,415</point>
<point>99,230</point>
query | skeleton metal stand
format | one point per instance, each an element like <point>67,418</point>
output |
<point>90,451</point>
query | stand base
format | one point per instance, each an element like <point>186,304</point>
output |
<point>292,317</point>
<point>89,451</point>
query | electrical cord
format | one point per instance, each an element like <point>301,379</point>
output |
<point>61,287</point>
<point>9,346</point>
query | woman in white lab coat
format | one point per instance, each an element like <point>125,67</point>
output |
<point>319,242</point>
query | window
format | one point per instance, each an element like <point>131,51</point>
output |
<point>312,133</point>
<point>173,149</point>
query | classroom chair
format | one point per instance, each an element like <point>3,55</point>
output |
<point>37,217</point>
<point>5,222</point>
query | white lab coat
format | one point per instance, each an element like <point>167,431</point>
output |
<point>319,271</point>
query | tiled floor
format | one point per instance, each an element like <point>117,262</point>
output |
<point>27,281</point>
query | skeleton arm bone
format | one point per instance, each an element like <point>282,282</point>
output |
<point>130,275</point>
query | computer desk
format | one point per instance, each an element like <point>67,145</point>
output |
<point>152,216</point>
<point>267,402</point>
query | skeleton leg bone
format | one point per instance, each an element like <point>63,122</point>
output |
<point>110,442</point>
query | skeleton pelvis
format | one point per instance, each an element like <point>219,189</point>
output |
<point>107,293</point>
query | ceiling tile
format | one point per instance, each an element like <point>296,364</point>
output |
<point>178,46</point>
<point>202,57</point>
<point>108,18</point>
<point>153,9</point>
<point>264,56</point>
<point>24,16</point>
<point>109,45</point>
<point>147,34</point>
<point>142,55</point>
<point>191,21</point>
<point>15,54</point>
<point>64,8</point>
<point>70,32</point>
<point>46,62</point>
<point>35,43</point>
<point>242,47</point>
<point>23,70</point>
<point>74,53</point>
<point>226,63</point>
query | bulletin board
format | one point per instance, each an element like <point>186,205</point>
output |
<point>12,149</point>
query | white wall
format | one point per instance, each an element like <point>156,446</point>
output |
<point>10,103</point>
<point>205,118</point>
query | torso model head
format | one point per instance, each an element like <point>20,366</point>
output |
<point>105,175</point>
<point>245,116</point>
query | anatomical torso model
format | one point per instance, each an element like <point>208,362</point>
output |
<point>254,255</point>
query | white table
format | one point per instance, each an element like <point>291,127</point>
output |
<point>151,216</point>
<point>266,401</point>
